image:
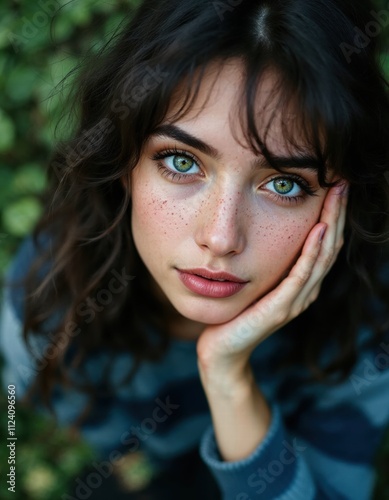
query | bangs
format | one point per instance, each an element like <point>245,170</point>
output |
<point>303,131</point>
<point>321,103</point>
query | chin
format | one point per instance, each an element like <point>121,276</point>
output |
<point>209,314</point>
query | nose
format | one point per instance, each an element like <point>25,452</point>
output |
<point>221,224</point>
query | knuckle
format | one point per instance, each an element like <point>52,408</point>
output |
<point>326,260</point>
<point>302,278</point>
<point>281,317</point>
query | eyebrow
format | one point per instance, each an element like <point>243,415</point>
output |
<point>177,133</point>
<point>302,160</point>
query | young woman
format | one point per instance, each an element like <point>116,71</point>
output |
<point>210,275</point>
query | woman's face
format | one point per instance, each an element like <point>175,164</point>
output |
<point>202,200</point>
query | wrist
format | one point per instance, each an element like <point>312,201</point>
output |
<point>229,383</point>
<point>241,418</point>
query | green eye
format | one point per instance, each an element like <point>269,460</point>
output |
<point>283,186</point>
<point>183,163</point>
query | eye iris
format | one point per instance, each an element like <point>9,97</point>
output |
<point>182,163</point>
<point>283,186</point>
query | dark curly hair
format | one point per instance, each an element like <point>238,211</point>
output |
<point>325,67</point>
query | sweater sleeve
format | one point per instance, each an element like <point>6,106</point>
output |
<point>325,450</point>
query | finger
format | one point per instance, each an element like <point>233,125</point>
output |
<point>342,217</point>
<point>276,309</point>
<point>286,303</point>
<point>279,300</point>
<point>334,212</point>
<point>302,286</point>
<point>330,215</point>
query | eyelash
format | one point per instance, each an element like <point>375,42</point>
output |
<point>166,172</point>
<point>302,183</point>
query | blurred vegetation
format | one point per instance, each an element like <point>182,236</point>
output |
<point>40,42</point>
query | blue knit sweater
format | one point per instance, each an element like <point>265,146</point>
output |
<point>320,445</point>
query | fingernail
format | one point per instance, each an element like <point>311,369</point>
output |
<point>322,234</point>
<point>342,189</point>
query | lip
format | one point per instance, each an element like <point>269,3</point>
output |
<point>221,275</point>
<point>207,285</point>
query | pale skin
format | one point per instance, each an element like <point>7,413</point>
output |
<point>224,215</point>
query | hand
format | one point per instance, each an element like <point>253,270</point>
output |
<point>224,350</point>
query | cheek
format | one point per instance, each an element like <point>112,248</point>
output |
<point>154,218</point>
<point>288,233</point>
<point>281,241</point>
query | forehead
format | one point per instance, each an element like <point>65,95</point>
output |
<point>218,111</point>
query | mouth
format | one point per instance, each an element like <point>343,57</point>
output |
<point>214,276</point>
<point>210,284</point>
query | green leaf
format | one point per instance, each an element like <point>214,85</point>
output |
<point>7,131</point>
<point>30,178</point>
<point>63,27</point>
<point>20,83</point>
<point>6,178</point>
<point>39,480</point>
<point>20,217</point>
<point>80,12</point>
<point>7,20</point>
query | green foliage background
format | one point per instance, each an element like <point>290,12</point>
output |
<point>40,42</point>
